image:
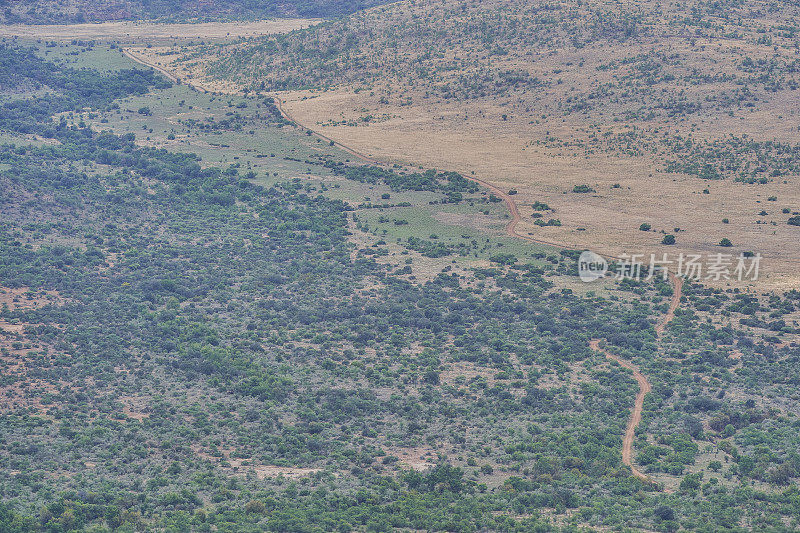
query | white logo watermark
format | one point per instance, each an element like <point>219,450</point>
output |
<point>591,266</point>
<point>695,267</point>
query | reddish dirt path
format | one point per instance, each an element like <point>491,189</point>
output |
<point>511,230</point>
<point>641,379</point>
<point>636,411</point>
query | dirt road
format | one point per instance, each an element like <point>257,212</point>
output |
<point>641,379</point>
<point>636,411</point>
<point>511,230</point>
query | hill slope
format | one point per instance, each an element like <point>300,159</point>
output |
<point>679,116</point>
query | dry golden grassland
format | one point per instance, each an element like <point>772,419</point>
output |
<point>606,221</point>
<point>142,33</point>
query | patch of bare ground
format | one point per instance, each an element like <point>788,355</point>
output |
<point>152,32</point>
<point>422,268</point>
<point>16,348</point>
<point>577,373</point>
<point>134,407</point>
<point>243,467</point>
<point>23,298</point>
<point>467,370</point>
<point>418,458</point>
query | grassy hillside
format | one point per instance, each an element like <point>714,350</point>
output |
<point>689,106</point>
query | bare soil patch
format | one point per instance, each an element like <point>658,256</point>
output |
<point>242,466</point>
<point>23,298</point>
<point>419,458</point>
<point>144,32</point>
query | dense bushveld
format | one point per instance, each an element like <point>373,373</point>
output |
<point>208,329</point>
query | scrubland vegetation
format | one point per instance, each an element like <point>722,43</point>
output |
<point>467,50</point>
<point>212,320</point>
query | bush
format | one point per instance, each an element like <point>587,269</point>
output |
<point>503,259</point>
<point>726,242</point>
<point>645,227</point>
<point>794,221</point>
<point>668,239</point>
<point>664,513</point>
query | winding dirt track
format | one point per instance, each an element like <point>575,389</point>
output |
<point>511,230</point>
<point>636,411</point>
<point>641,379</point>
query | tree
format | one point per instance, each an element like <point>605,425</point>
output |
<point>664,512</point>
<point>668,239</point>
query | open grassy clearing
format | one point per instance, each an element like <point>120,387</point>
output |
<point>240,130</point>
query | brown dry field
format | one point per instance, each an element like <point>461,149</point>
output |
<point>142,32</point>
<point>499,152</point>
